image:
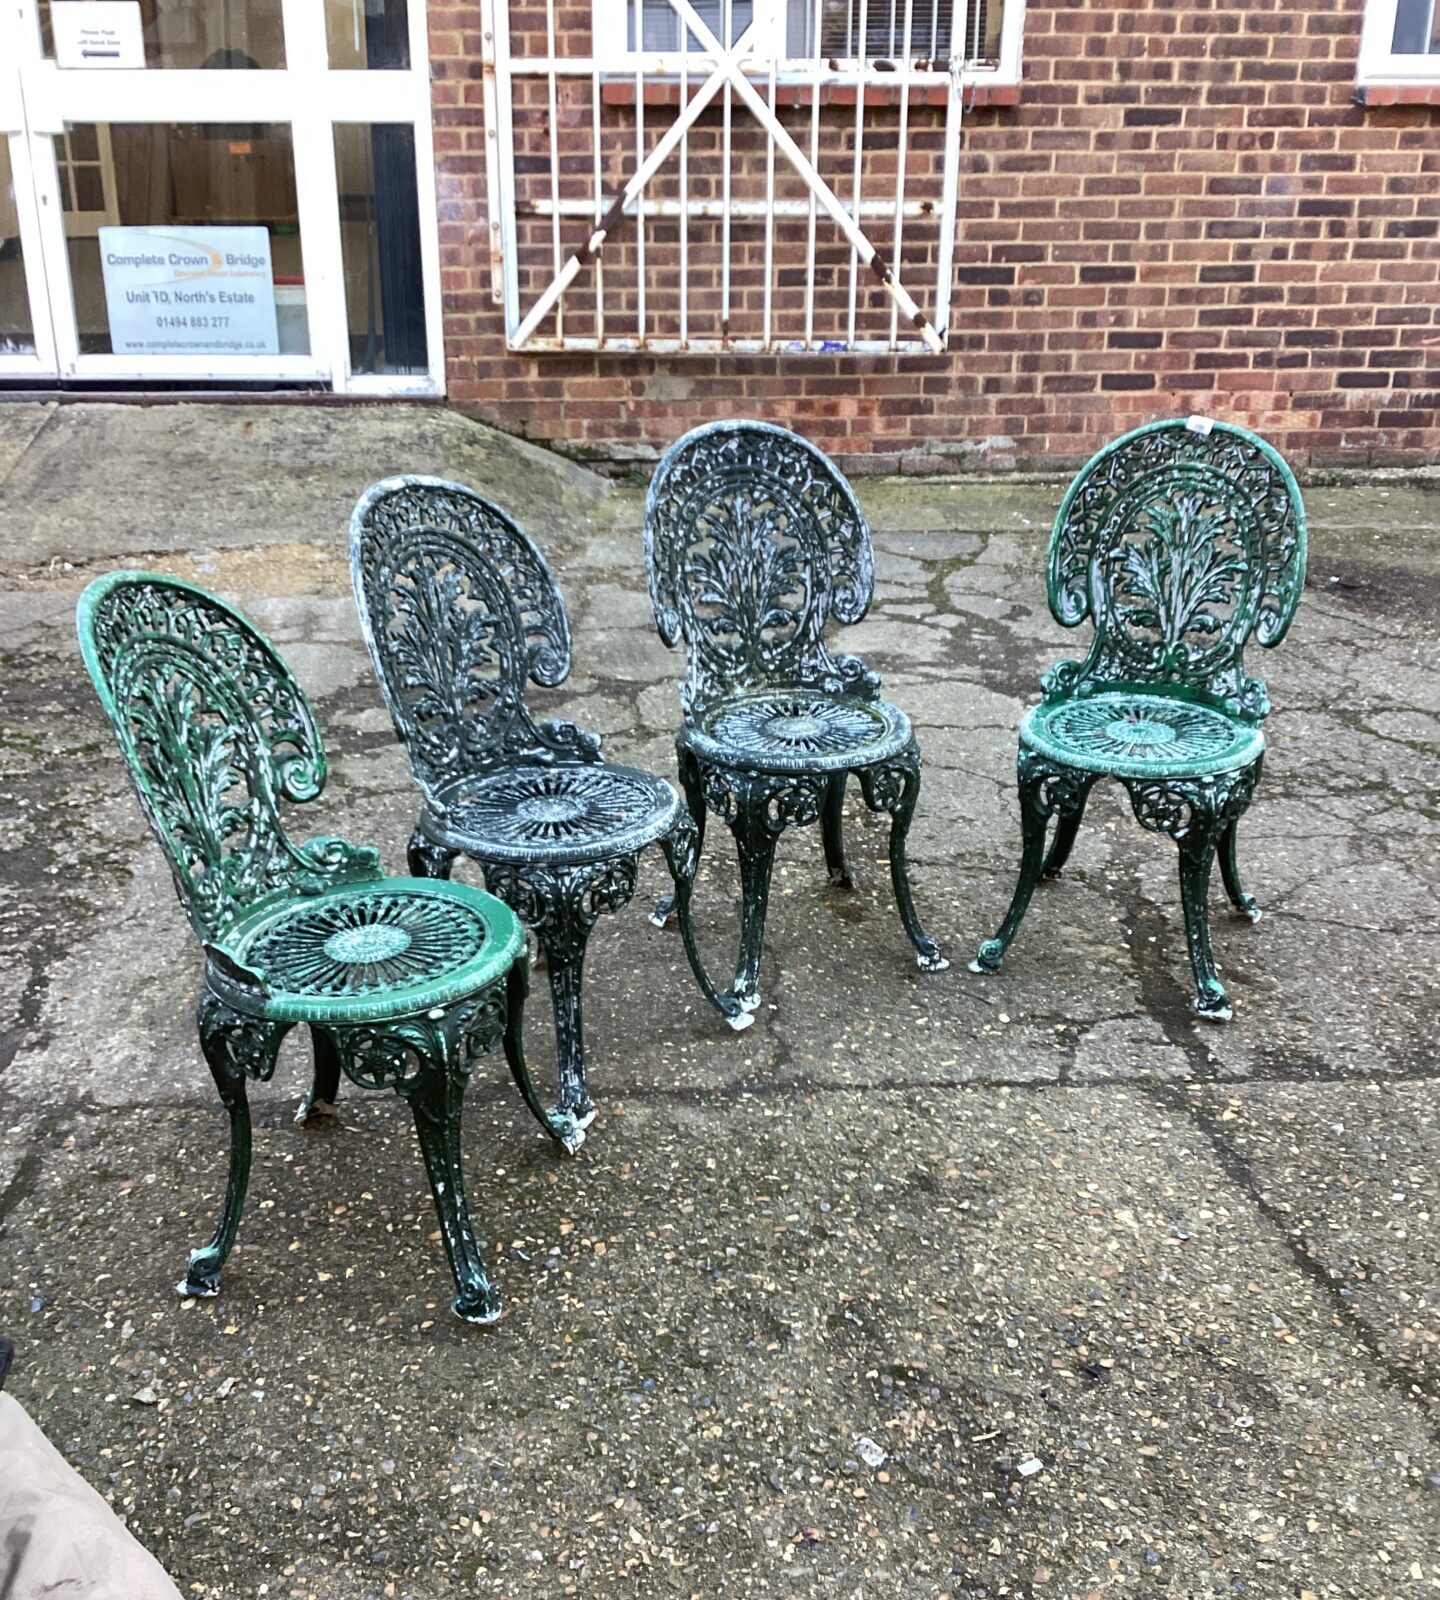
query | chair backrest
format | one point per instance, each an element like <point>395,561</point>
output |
<point>216,732</point>
<point>753,541</point>
<point>458,608</point>
<point>1179,541</point>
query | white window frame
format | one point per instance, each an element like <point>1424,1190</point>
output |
<point>611,31</point>
<point>306,96</point>
<point>1379,65</point>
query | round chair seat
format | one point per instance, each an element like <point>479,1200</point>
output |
<point>1132,735</point>
<point>798,730</point>
<point>550,814</point>
<point>371,951</point>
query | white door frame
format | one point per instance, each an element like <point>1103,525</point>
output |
<point>308,97</point>
<point>41,362</point>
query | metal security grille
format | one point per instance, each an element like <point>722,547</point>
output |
<point>726,188</point>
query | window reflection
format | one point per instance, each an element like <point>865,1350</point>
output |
<point>17,329</point>
<point>187,190</point>
<point>226,35</point>
<point>373,34</point>
<point>380,245</point>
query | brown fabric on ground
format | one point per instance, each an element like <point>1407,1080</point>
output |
<point>57,1536</point>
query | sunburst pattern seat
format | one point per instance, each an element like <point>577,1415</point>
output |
<point>557,814</point>
<point>1133,735</point>
<point>366,953</point>
<point>798,730</point>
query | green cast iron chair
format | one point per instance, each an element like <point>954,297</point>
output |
<point>1180,542</point>
<point>754,542</point>
<point>404,984</point>
<point>460,612</point>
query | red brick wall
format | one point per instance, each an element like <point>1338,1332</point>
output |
<point>1185,212</point>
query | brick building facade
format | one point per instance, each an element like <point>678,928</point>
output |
<point>1185,208</point>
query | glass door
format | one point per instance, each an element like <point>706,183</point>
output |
<point>232,190</point>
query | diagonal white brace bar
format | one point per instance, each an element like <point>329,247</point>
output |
<point>627,198</point>
<point>728,66</point>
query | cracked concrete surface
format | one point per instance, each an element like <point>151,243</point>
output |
<point>1129,1303</point>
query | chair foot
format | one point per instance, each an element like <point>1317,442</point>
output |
<point>741,1019</point>
<point>1213,1004</point>
<point>567,1128</point>
<point>202,1276</point>
<point>664,910</point>
<point>479,1310</point>
<point>931,960</point>
<point>1247,910</point>
<point>313,1112</point>
<point>840,878</point>
<point>575,1120</point>
<point>989,957</point>
<point>567,1124</point>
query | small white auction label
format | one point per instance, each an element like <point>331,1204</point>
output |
<point>189,291</point>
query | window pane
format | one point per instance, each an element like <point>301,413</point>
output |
<point>234,35</point>
<point>17,330</point>
<point>933,34</point>
<point>89,189</point>
<point>662,22</point>
<point>380,246</point>
<point>1417,28</point>
<point>368,33</point>
<point>183,239</point>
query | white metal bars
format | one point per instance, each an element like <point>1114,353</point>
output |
<point>675,280</point>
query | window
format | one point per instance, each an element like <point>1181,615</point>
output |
<point>984,33</point>
<point>1400,43</point>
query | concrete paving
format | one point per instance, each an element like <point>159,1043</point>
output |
<point>1031,1285</point>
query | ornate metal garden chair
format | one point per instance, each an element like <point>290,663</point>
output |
<point>1180,542</point>
<point>753,541</point>
<point>403,984</point>
<point>458,608</point>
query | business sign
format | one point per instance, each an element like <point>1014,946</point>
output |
<point>189,291</point>
<point>97,33</point>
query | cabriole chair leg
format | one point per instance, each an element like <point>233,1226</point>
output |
<point>1066,828</point>
<point>693,787</point>
<point>1197,851</point>
<point>682,854</point>
<point>755,847</point>
<point>319,1105</point>
<point>561,904</point>
<point>832,831</point>
<point>1044,788</point>
<point>564,1130</point>
<point>1244,904</point>
<point>565,967</point>
<point>895,789</point>
<point>437,1094</point>
<point>426,859</point>
<point>1197,813</point>
<point>236,1047</point>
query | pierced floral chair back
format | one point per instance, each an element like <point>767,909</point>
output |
<point>753,541</point>
<point>459,609</point>
<point>1179,542</point>
<point>216,734</point>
